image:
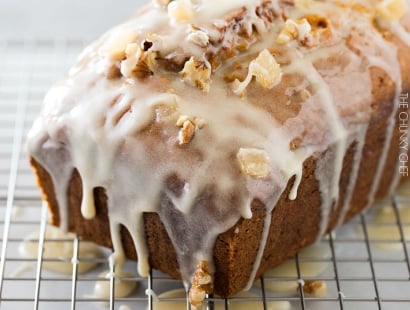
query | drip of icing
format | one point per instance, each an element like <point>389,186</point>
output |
<point>357,158</point>
<point>264,238</point>
<point>135,226</point>
<point>329,195</point>
<point>87,203</point>
<point>52,158</point>
<point>59,246</point>
<point>400,32</point>
<point>118,257</point>
<point>294,191</point>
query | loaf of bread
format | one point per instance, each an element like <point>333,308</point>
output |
<point>213,140</point>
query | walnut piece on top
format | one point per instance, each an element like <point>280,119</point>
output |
<point>197,73</point>
<point>265,69</point>
<point>253,162</point>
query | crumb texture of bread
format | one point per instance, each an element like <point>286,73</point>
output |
<point>213,141</point>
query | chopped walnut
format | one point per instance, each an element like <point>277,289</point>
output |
<point>197,73</point>
<point>315,288</point>
<point>201,284</point>
<point>180,10</point>
<point>254,162</point>
<point>294,30</point>
<point>198,37</point>
<point>186,133</point>
<point>137,63</point>
<point>115,46</point>
<point>391,10</point>
<point>188,127</point>
<point>266,71</point>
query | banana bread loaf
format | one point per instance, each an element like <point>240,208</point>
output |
<point>213,140</point>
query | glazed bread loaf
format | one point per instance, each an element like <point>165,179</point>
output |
<point>213,140</point>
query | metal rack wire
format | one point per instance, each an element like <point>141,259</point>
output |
<point>359,273</point>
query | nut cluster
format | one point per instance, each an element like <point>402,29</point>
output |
<point>130,59</point>
<point>197,73</point>
<point>137,63</point>
<point>201,284</point>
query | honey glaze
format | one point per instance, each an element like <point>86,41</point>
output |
<point>163,97</point>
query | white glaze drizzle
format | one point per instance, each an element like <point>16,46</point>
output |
<point>60,174</point>
<point>360,138</point>
<point>400,32</point>
<point>329,184</point>
<point>263,240</point>
<point>118,110</point>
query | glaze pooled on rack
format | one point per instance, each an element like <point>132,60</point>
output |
<point>196,111</point>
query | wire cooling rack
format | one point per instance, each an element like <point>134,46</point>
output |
<point>364,265</point>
